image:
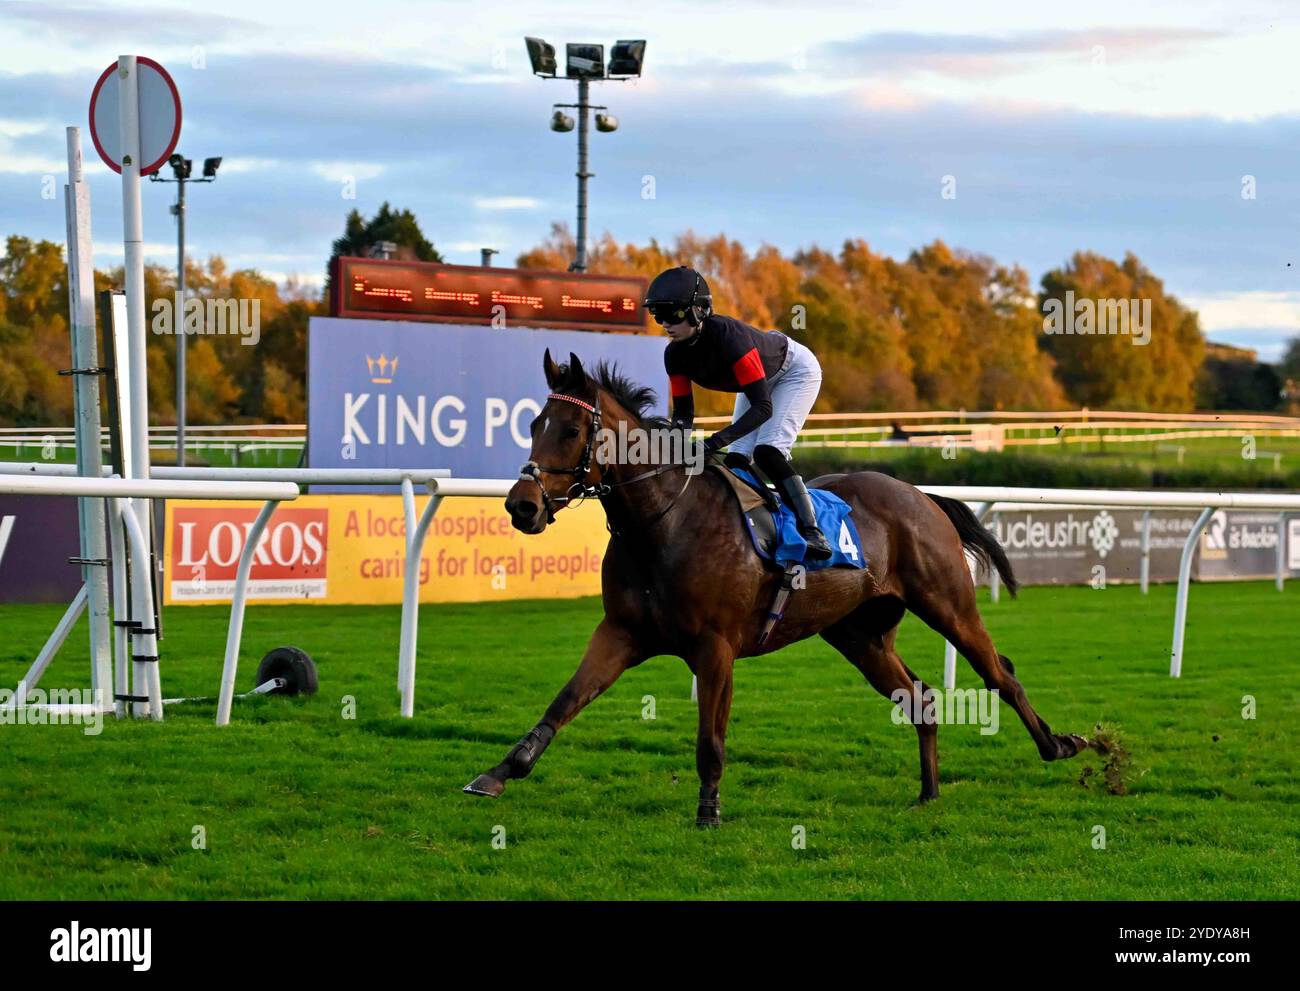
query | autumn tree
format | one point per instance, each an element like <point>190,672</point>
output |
<point>34,342</point>
<point>1113,370</point>
<point>361,235</point>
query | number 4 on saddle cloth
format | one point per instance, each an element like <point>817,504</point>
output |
<point>775,533</point>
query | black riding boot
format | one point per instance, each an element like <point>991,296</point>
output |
<point>796,496</point>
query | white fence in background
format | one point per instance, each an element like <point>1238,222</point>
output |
<point>240,442</point>
<point>994,431</point>
<point>987,499</point>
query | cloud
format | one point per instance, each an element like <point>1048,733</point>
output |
<point>21,128</point>
<point>1246,313</point>
<point>506,203</point>
<point>308,280</point>
<point>152,250</point>
<point>247,163</point>
<point>343,171</point>
<point>31,164</point>
<point>101,25</point>
<point>977,56</point>
<point>774,165</point>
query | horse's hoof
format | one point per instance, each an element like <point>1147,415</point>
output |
<point>708,814</point>
<point>485,785</point>
<point>1070,745</point>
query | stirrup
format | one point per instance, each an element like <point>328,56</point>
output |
<point>819,548</point>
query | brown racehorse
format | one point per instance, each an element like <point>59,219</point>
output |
<point>680,577</point>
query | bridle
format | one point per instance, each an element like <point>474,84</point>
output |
<point>532,471</point>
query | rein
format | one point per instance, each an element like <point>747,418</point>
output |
<point>532,472</point>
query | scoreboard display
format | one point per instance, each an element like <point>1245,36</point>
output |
<point>374,288</point>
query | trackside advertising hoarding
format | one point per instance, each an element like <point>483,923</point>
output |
<point>1080,546</point>
<point>351,550</point>
<point>394,394</point>
<point>37,536</point>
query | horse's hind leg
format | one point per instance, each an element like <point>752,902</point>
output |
<point>872,653</point>
<point>957,619</point>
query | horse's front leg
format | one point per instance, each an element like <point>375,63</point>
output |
<point>610,652</point>
<point>712,659</point>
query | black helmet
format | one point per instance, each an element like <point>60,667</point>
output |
<point>677,294</point>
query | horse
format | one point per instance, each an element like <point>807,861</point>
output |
<point>680,577</point>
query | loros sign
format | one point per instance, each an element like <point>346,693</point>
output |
<point>289,560</point>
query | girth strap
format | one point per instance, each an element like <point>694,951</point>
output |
<point>779,601</point>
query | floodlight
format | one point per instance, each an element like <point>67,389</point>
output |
<point>584,61</point>
<point>542,56</point>
<point>626,58</point>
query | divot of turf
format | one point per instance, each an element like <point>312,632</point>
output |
<point>1117,763</point>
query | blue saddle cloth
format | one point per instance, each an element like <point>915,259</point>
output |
<point>834,517</point>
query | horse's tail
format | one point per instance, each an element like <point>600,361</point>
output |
<point>978,539</point>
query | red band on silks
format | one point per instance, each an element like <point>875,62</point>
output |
<point>680,385</point>
<point>748,368</point>
<point>577,402</point>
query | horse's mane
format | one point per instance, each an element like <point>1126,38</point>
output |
<point>637,399</point>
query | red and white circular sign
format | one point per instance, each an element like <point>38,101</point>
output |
<point>160,116</point>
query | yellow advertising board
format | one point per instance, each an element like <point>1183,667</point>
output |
<point>345,549</point>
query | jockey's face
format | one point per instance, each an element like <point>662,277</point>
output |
<point>681,331</point>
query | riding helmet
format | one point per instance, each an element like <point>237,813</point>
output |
<point>677,294</point>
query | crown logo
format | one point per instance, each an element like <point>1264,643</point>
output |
<point>387,368</point>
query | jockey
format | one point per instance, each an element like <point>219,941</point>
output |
<point>776,378</point>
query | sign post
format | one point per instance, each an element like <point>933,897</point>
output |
<point>135,123</point>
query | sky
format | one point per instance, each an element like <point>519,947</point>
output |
<point>1108,126</point>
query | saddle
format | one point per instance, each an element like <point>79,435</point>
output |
<point>774,533</point>
<point>757,502</point>
<point>773,529</point>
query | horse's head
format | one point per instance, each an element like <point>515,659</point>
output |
<point>562,462</point>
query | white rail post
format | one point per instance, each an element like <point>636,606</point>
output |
<point>995,579</point>
<point>409,519</point>
<point>85,396</point>
<point>144,637</point>
<point>1281,551</point>
<point>411,592</point>
<point>1145,572</point>
<point>69,619</point>
<point>1184,580</point>
<point>981,510</point>
<point>236,631</point>
<point>121,645</point>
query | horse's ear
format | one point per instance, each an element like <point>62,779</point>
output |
<point>576,374</point>
<point>551,369</point>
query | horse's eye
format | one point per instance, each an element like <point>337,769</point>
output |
<point>570,433</point>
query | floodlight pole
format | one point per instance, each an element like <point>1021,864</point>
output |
<point>178,323</point>
<point>580,257</point>
<point>627,55</point>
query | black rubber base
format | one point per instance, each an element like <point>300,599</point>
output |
<point>293,665</point>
